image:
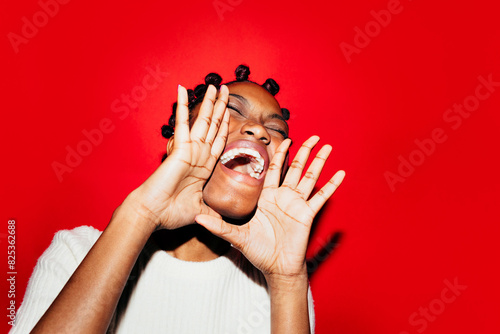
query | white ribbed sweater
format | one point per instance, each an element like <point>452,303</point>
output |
<point>164,294</point>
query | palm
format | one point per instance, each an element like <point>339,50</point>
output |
<point>182,201</point>
<point>275,239</point>
<point>173,193</point>
<point>282,219</point>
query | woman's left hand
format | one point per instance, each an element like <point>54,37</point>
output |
<point>275,239</point>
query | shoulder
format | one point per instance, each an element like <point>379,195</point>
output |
<point>70,246</point>
<point>53,269</point>
<point>79,237</point>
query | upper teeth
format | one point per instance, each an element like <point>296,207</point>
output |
<point>257,168</point>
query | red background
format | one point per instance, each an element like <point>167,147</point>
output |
<point>398,246</point>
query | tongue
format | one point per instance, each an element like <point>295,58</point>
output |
<point>241,165</point>
<point>243,169</point>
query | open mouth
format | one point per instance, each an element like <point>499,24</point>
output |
<point>245,161</point>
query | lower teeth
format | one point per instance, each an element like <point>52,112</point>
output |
<point>255,175</point>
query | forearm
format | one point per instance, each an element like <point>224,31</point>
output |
<point>289,304</point>
<point>88,300</point>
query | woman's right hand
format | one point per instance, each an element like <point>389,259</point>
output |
<point>172,196</point>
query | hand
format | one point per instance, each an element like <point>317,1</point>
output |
<point>275,239</point>
<point>172,196</point>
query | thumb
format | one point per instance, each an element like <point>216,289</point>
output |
<point>230,233</point>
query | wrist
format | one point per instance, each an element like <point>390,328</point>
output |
<point>287,283</point>
<point>289,303</point>
<point>136,213</point>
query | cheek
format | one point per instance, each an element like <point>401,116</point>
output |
<point>234,125</point>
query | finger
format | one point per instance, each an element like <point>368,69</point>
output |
<point>219,109</point>
<point>308,181</point>
<point>299,162</point>
<point>206,210</point>
<point>221,139</point>
<point>319,199</point>
<point>202,122</point>
<point>273,173</point>
<point>231,233</point>
<point>181,133</point>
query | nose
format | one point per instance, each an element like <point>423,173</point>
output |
<point>257,130</point>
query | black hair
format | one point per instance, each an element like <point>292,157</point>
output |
<point>197,94</point>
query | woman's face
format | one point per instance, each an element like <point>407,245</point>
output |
<point>256,129</point>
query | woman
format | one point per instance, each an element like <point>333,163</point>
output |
<point>223,173</point>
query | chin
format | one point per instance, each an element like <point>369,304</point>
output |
<point>234,209</point>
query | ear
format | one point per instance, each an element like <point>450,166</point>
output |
<point>170,145</point>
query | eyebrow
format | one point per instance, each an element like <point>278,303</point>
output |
<point>245,102</point>
<point>241,98</point>
<point>277,116</point>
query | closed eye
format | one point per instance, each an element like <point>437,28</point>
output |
<point>234,108</point>
<point>281,132</point>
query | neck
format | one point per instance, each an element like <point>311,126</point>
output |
<point>191,243</point>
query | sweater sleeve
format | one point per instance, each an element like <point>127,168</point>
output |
<point>310,305</point>
<point>51,273</point>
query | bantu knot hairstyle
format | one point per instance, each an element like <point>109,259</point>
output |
<point>197,94</point>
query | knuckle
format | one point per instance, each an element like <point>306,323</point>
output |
<point>206,119</point>
<point>217,122</point>
<point>310,175</point>
<point>334,183</point>
<point>296,164</point>
<point>225,229</point>
<point>211,99</point>
<point>273,166</point>
<point>298,191</point>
